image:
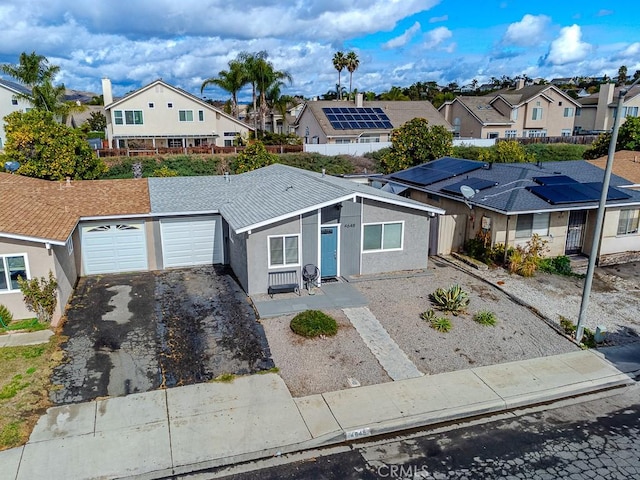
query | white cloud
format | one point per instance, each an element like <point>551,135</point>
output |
<point>436,37</point>
<point>402,40</point>
<point>443,18</point>
<point>568,47</point>
<point>526,32</point>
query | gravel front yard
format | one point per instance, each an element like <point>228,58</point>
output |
<point>322,365</point>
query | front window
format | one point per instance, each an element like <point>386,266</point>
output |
<point>493,134</point>
<point>629,112</point>
<point>628,222</point>
<point>568,112</point>
<point>201,115</point>
<point>378,237</point>
<point>510,133</point>
<point>174,142</point>
<point>12,267</point>
<point>532,223</point>
<point>117,117</point>
<point>186,115</point>
<point>284,250</point>
<point>565,132</point>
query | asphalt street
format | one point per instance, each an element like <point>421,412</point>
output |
<point>576,439</point>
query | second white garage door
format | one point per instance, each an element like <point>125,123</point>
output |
<point>191,241</point>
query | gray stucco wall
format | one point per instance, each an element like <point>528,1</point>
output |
<point>310,228</point>
<point>348,218</point>
<point>66,274</point>
<point>257,254</point>
<point>415,249</point>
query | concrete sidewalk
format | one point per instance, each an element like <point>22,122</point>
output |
<point>19,339</point>
<point>186,429</point>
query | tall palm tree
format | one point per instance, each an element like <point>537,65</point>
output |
<point>339,62</point>
<point>231,80</point>
<point>254,64</point>
<point>269,77</point>
<point>352,63</point>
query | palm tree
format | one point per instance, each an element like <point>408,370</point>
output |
<point>394,94</point>
<point>339,62</point>
<point>252,63</point>
<point>352,64</point>
<point>231,80</point>
<point>269,78</point>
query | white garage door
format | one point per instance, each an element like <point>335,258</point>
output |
<point>191,241</point>
<point>114,247</point>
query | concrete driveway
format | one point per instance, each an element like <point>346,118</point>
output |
<point>137,332</point>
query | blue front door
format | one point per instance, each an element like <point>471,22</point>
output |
<point>328,252</point>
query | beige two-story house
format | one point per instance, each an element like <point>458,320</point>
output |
<point>596,111</point>
<point>161,115</point>
<point>11,100</point>
<point>526,111</point>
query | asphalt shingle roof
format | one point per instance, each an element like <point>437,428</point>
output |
<point>510,194</point>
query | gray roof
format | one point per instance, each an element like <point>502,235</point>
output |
<point>16,87</point>
<point>261,197</point>
<point>510,196</point>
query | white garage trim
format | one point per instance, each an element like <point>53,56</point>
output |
<point>114,247</point>
<point>191,241</point>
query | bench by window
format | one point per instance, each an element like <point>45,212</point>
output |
<point>283,282</point>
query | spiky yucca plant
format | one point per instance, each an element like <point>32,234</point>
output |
<point>453,299</point>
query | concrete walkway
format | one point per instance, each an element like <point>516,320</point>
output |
<point>187,429</point>
<point>394,361</point>
<point>17,339</point>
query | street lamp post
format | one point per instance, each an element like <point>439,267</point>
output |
<point>595,244</point>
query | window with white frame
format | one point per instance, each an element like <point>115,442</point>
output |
<point>568,112</point>
<point>185,115</point>
<point>127,117</point>
<point>377,237</point>
<point>628,222</point>
<point>537,113</point>
<point>201,115</point>
<point>566,132</point>
<point>12,267</point>
<point>152,105</point>
<point>536,133</point>
<point>284,250</point>
<point>174,143</point>
<point>532,223</point>
<point>69,246</point>
<point>510,133</point>
<point>14,100</point>
<point>629,112</point>
<point>578,111</point>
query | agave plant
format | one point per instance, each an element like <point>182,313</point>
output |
<point>453,299</point>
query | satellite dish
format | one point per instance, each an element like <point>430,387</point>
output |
<point>11,166</point>
<point>467,191</point>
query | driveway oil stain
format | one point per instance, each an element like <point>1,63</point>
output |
<point>138,332</point>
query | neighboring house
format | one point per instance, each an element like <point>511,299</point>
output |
<point>328,121</point>
<point>11,101</point>
<point>626,164</point>
<point>596,112</point>
<point>512,201</point>
<point>161,115</point>
<point>526,111</point>
<point>274,219</point>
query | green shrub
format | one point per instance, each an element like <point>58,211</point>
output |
<point>441,324</point>
<point>428,315</point>
<point>560,265</point>
<point>569,328</point>
<point>313,323</point>
<point>452,299</point>
<point>485,317</point>
<point>40,296</point>
<point>5,316</point>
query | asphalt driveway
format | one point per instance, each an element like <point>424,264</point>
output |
<point>131,333</point>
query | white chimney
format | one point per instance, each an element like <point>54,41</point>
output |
<point>520,83</point>
<point>359,99</point>
<point>107,93</point>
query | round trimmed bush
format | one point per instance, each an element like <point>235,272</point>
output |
<point>313,323</point>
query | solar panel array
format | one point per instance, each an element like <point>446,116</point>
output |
<point>554,180</point>
<point>575,192</point>
<point>477,184</point>
<point>433,172</point>
<point>357,118</point>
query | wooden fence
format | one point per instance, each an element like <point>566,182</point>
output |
<point>209,150</point>
<point>575,139</point>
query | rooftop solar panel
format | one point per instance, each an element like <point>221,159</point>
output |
<point>575,193</point>
<point>554,180</point>
<point>436,171</point>
<point>477,184</point>
<point>357,118</point>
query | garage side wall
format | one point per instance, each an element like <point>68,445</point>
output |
<point>66,274</point>
<point>415,244</point>
<point>237,256</point>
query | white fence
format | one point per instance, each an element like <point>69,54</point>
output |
<point>359,149</point>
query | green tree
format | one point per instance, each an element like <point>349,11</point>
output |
<point>47,149</point>
<point>394,94</point>
<point>97,122</point>
<point>231,80</point>
<point>40,296</point>
<point>254,156</point>
<point>414,143</point>
<point>352,63</point>
<point>508,151</point>
<point>339,63</point>
<point>622,75</point>
<point>35,72</point>
<point>628,139</point>
<point>252,63</point>
<point>268,79</point>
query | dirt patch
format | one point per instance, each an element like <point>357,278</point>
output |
<point>138,332</point>
<point>318,365</point>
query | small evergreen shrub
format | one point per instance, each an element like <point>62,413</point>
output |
<point>441,324</point>
<point>40,296</point>
<point>560,265</point>
<point>569,328</point>
<point>485,317</point>
<point>5,316</point>
<point>313,323</point>
<point>428,315</point>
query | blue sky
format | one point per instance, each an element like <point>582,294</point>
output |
<point>399,42</point>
